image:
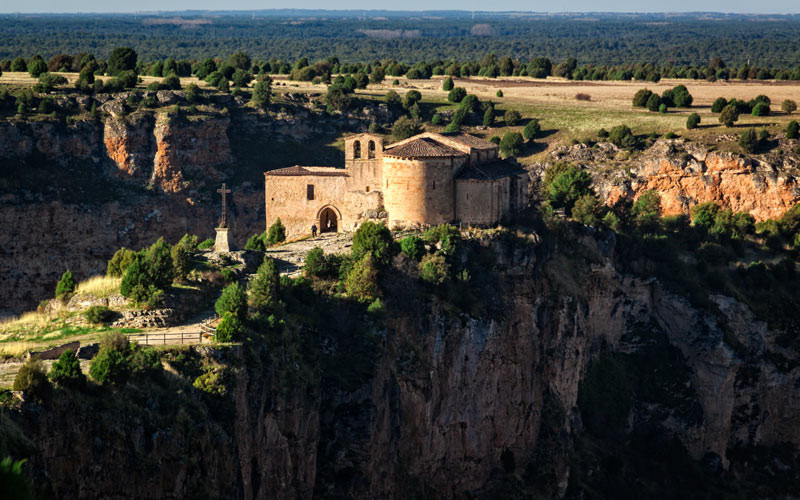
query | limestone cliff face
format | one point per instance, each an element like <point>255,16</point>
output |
<point>685,174</point>
<point>458,406</point>
<point>129,143</point>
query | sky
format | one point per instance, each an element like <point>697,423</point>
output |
<point>733,6</point>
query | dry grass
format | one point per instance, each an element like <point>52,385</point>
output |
<point>15,349</point>
<point>99,286</point>
<point>31,321</point>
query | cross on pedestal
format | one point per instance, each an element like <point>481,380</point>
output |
<point>225,191</point>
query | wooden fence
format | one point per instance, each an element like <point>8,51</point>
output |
<point>166,338</point>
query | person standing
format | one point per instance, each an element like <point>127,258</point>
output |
<point>313,230</point>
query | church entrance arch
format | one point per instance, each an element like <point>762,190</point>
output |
<point>329,219</point>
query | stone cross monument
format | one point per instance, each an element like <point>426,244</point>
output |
<point>223,243</point>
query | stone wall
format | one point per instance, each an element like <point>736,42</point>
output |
<point>420,192</point>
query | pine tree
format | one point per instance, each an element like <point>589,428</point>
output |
<point>264,288</point>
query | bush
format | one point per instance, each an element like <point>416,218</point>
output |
<point>662,108</point>
<point>212,381</point>
<point>512,117</point>
<point>32,380</point>
<point>641,97</point>
<point>457,94</point>
<point>362,280</point>
<point>647,208</point>
<point>262,93</point>
<point>436,119</point>
<point>276,233</point>
<point>788,106</point>
<point>404,128</point>
<point>411,98</point>
<point>532,129</point>
<point>374,239</point>
<point>729,115</point>
<point>315,264</point>
<point>447,84</point>
<point>586,210</point>
<point>760,109</point>
<point>112,363</point>
<point>434,269</point>
<point>511,144</point>
<point>748,140</point>
<point>149,275</point>
<point>230,328</point>
<point>653,102</point>
<point>792,130</point>
<point>602,134</point>
<point>66,371</point>
<point>704,214</point>
<point>98,314</point>
<point>499,93</point>
<point>233,300</point>
<point>413,246</point>
<point>693,121</point>
<point>66,285</point>
<point>205,244</point>
<point>622,137</point>
<point>488,116</point>
<point>718,105</point>
<point>567,187</point>
<point>256,242</point>
<point>495,139</point>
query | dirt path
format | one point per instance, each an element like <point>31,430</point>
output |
<point>291,256</point>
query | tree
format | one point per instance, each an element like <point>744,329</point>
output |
<point>48,81</point>
<point>681,98</point>
<point>703,214</point>
<point>434,269</point>
<point>447,84</point>
<point>748,140</point>
<point>411,98</point>
<point>760,109</point>
<point>788,106</point>
<point>233,300</point>
<point>121,59</point>
<point>374,239</point>
<point>265,286</point>
<point>413,246</point>
<point>622,137</point>
<point>586,210</point>
<point>792,130</point>
<point>119,263</point>
<point>457,94</point>
<point>36,66</point>
<point>511,144</point>
<point>262,93</point>
<point>241,78</point>
<point>230,328</point>
<point>499,93</point>
<point>512,117</point>
<point>641,97</point>
<point>66,371</point>
<point>718,105</point>
<point>276,233</point>
<point>112,363</point>
<point>361,281</point>
<point>729,115</point>
<point>337,99</point>
<point>377,76</point>
<point>693,121</point>
<point>66,285</point>
<point>32,380</point>
<point>488,116</point>
<point>532,129</point>
<point>647,208</point>
<point>405,127</point>
<point>567,187</point>
<point>19,65</point>
<point>171,82</point>
<point>241,60</point>
<point>653,102</point>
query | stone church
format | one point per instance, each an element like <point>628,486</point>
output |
<point>421,181</point>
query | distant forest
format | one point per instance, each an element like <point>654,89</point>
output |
<point>767,42</point>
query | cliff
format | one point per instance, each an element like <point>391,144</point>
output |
<point>550,375</point>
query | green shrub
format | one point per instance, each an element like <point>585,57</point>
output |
<point>256,242</point>
<point>233,300</point>
<point>511,144</point>
<point>32,380</point>
<point>622,137</point>
<point>703,214</point>
<point>693,121</point>
<point>230,328</point>
<point>98,314</point>
<point>182,253</point>
<point>205,244</point>
<point>641,97</point>
<point>374,239</point>
<point>66,285</point>
<point>602,134</point>
<point>436,119</point>
<point>567,187</point>
<point>681,98</point>
<point>488,116</point>
<point>315,264</point>
<point>276,233</point>
<point>495,139</point>
<point>653,102</point>
<point>13,480</point>
<point>586,210</point>
<point>760,109</point>
<point>447,84</point>
<point>719,105</point>
<point>362,279</point>
<point>434,269</point>
<point>112,364</point>
<point>729,115</point>
<point>512,117</point>
<point>499,93</point>
<point>66,371</point>
<point>212,382</point>
<point>647,207</point>
<point>149,275</point>
<point>376,307</point>
<point>748,140</point>
<point>445,236</point>
<point>792,130</point>
<point>413,246</point>
<point>265,287</point>
<point>456,94</point>
<point>145,359</point>
<point>532,129</point>
<point>404,128</point>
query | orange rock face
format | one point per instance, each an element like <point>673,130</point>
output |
<point>734,182</point>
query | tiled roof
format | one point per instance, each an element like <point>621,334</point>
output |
<point>297,170</point>
<point>470,140</point>
<point>422,148</point>
<point>489,171</point>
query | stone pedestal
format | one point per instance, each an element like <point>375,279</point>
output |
<point>223,243</point>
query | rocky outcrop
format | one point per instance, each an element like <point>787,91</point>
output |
<point>130,145</point>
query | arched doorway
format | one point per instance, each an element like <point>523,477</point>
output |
<point>328,221</point>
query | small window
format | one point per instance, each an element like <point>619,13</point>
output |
<point>357,149</point>
<point>310,192</point>
<point>368,189</point>
<point>371,149</point>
